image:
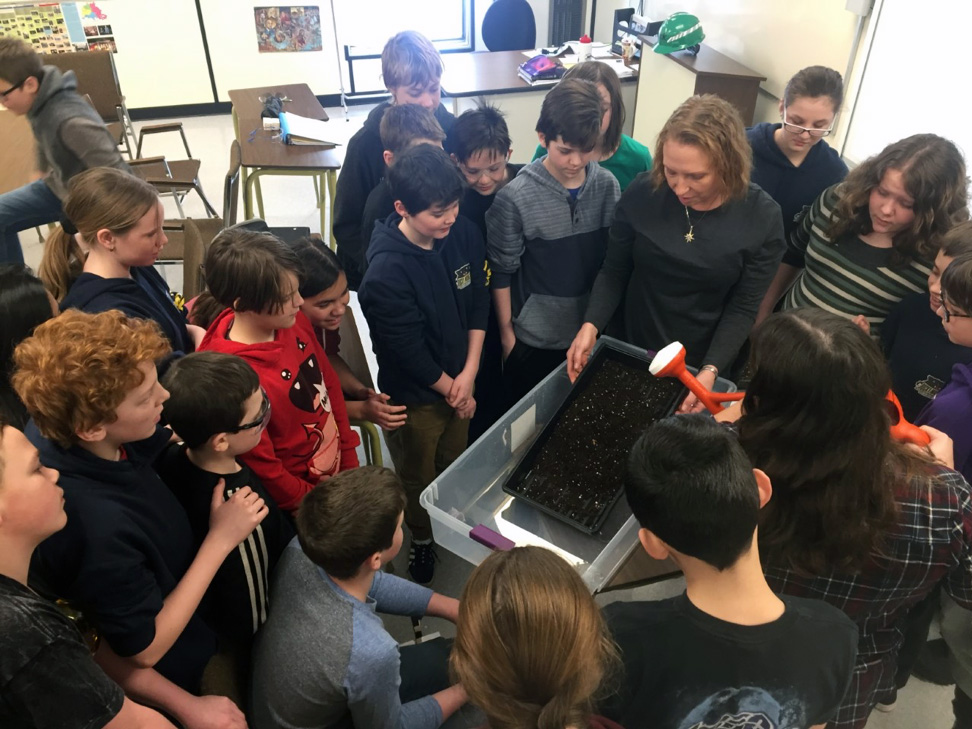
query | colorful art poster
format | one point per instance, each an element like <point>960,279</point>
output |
<point>97,29</point>
<point>288,28</point>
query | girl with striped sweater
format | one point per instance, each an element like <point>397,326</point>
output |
<point>867,242</point>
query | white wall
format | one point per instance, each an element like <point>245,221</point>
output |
<point>238,64</point>
<point>910,87</point>
<point>774,37</point>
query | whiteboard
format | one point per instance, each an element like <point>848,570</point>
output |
<point>911,86</point>
<point>774,37</point>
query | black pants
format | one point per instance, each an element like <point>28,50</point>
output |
<point>490,402</point>
<point>424,669</point>
<point>915,628</point>
<point>526,366</point>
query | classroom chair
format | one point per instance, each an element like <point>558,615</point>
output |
<point>175,179</point>
<point>509,25</point>
<point>98,80</point>
<point>189,239</point>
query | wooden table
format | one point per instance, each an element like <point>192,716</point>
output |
<point>264,153</point>
<point>493,76</point>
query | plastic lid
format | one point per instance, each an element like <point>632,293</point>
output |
<point>585,38</point>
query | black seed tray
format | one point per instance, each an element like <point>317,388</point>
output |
<point>574,470</point>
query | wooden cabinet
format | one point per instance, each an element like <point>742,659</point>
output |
<point>17,161</point>
<point>666,80</point>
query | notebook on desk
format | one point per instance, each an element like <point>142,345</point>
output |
<point>304,131</point>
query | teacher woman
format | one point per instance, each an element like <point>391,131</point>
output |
<point>693,247</point>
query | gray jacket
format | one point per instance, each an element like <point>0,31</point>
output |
<point>71,137</point>
<point>548,248</point>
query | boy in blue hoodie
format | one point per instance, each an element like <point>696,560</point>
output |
<point>70,135</point>
<point>424,296</point>
<point>547,234</point>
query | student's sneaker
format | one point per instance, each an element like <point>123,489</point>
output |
<point>888,703</point>
<point>421,561</point>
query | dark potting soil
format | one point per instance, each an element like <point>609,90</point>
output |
<point>578,472</point>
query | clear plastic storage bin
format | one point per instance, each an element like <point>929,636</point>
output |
<point>470,492</point>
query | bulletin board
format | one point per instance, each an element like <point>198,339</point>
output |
<point>59,27</point>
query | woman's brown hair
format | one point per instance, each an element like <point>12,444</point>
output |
<point>817,423</point>
<point>531,647</point>
<point>601,73</point>
<point>933,171</point>
<point>715,127</point>
<point>102,198</point>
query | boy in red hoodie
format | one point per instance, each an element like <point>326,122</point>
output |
<point>308,438</point>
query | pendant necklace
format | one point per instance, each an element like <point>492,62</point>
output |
<point>690,236</point>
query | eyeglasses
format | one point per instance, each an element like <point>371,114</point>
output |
<point>5,94</point>
<point>948,315</point>
<point>262,419</point>
<point>798,130</point>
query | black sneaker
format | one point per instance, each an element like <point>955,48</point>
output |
<point>421,562</point>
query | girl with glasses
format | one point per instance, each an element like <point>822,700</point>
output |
<point>791,160</point>
<point>869,241</point>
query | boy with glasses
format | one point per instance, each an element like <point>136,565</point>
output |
<point>218,409</point>
<point>951,410</point>
<point>70,135</point>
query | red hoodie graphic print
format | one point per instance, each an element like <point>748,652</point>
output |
<point>308,437</point>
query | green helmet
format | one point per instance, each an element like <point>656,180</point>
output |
<point>681,30</point>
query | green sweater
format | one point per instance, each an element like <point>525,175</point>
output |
<point>630,159</point>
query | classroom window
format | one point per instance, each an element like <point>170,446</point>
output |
<point>447,23</point>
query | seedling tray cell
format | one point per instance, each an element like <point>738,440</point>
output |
<point>574,470</point>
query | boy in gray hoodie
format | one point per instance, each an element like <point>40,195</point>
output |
<point>547,236</point>
<point>71,137</point>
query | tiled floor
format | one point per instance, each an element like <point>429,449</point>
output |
<point>291,202</point>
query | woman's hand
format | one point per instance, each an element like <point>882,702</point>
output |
<point>580,350</point>
<point>691,404</point>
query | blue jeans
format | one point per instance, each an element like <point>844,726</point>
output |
<point>23,208</point>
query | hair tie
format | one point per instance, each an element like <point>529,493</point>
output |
<point>67,225</point>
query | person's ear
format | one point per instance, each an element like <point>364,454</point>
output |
<point>781,108</point>
<point>400,209</point>
<point>509,153</point>
<point>654,546</point>
<point>219,442</point>
<point>374,562</point>
<point>106,239</point>
<point>92,435</point>
<point>764,485</point>
<point>31,85</point>
<point>389,157</point>
<point>454,158</point>
<point>543,141</point>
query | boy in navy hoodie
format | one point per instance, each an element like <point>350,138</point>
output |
<point>126,557</point>
<point>411,68</point>
<point>426,302</point>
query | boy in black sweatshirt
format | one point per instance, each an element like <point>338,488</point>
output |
<point>426,302</point>
<point>219,411</point>
<point>411,69</point>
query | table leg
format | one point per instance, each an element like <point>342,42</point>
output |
<point>259,198</point>
<point>331,177</point>
<point>248,181</point>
